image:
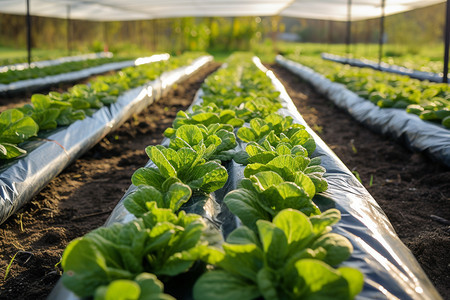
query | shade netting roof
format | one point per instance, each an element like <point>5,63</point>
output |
<point>123,10</point>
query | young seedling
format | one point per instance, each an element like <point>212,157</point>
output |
<point>357,175</point>
<point>8,268</point>
<point>21,222</point>
<point>353,146</point>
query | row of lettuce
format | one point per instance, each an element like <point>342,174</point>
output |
<point>283,249</point>
<point>429,61</point>
<point>13,75</point>
<point>47,112</point>
<point>430,101</point>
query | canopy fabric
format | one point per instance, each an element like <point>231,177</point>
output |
<point>336,10</point>
<point>121,10</point>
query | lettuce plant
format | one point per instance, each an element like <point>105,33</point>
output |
<point>289,162</point>
<point>218,139</point>
<point>144,287</point>
<point>265,194</point>
<point>261,127</point>
<point>276,133</point>
<point>52,111</point>
<point>229,100</point>
<point>259,107</point>
<point>159,242</point>
<point>207,115</point>
<point>186,165</point>
<point>289,258</point>
<point>15,128</point>
<point>139,202</point>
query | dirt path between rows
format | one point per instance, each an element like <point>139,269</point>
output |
<point>408,187</point>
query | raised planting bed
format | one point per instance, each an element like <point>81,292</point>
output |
<point>28,80</point>
<point>54,62</point>
<point>407,128</point>
<point>366,63</point>
<point>409,187</point>
<point>64,209</point>
<point>52,151</point>
<point>430,101</point>
<point>258,260</point>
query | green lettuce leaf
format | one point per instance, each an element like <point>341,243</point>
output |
<point>15,127</point>
<point>264,195</point>
<point>144,287</point>
<point>219,285</point>
<point>185,164</point>
<point>286,259</point>
<point>160,242</point>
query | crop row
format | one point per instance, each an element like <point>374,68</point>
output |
<point>37,72</point>
<point>47,112</point>
<point>430,101</point>
<point>384,67</point>
<point>282,248</point>
<point>431,61</point>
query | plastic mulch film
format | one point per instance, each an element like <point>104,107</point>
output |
<point>212,209</point>
<point>39,83</point>
<point>54,62</point>
<point>409,129</point>
<point>365,63</point>
<point>22,178</point>
<point>390,269</point>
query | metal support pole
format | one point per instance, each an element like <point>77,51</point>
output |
<point>380,40</point>
<point>349,27</point>
<point>105,38</point>
<point>69,45</point>
<point>28,18</point>
<point>330,32</point>
<point>156,28</point>
<point>447,42</point>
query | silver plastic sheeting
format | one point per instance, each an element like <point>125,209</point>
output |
<point>385,67</point>
<point>54,62</point>
<point>416,134</point>
<point>389,268</point>
<point>39,83</point>
<point>365,63</point>
<point>22,178</point>
<point>215,213</point>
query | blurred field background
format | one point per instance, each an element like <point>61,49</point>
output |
<point>412,36</point>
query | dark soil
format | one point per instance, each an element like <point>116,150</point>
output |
<point>408,187</point>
